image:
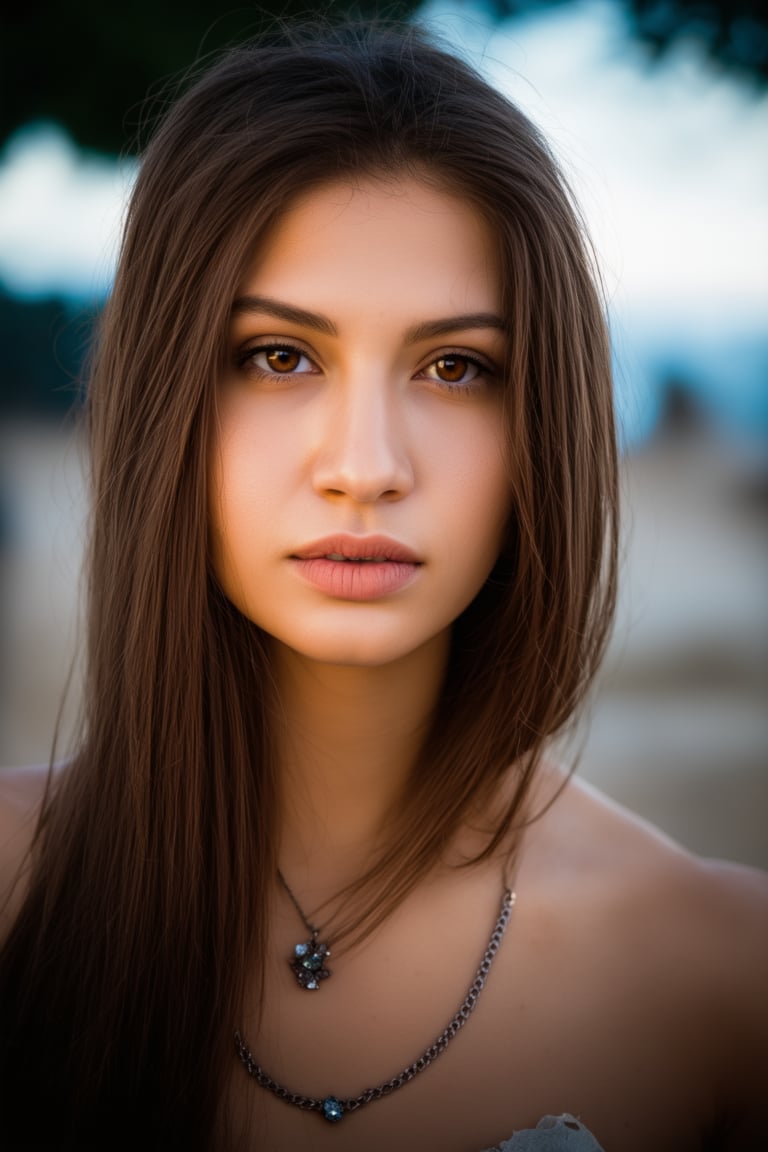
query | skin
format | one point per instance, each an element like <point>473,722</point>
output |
<point>630,987</point>
<point>368,433</point>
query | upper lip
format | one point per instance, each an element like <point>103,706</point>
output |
<point>357,548</point>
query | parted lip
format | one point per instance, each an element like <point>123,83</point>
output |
<point>357,548</point>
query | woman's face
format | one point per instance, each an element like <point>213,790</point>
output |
<point>359,477</point>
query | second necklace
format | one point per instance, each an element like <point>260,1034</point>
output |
<point>308,960</point>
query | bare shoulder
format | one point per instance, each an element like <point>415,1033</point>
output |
<point>21,794</point>
<point>640,855</point>
<point>705,907</point>
<point>688,935</point>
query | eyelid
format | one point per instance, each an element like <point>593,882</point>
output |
<point>486,367</point>
<point>249,348</point>
<point>482,359</point>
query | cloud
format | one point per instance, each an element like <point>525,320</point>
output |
<point>669,163</point>
<point>60,215</point>
<point>668,160</point>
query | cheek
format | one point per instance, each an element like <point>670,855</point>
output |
<point>244,470</point>
<point>480,489</point>
<point>233,517</point>
<point>489,519</point>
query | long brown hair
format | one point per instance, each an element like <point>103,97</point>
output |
<point>123,977</point>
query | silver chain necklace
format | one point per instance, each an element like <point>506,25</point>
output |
<point>332,1107</point>
<point>308,960</point>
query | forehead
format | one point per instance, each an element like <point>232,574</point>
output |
<point>398,244</point>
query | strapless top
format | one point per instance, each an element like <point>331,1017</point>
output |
<point>552,1134</point>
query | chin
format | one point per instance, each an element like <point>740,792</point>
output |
<point>362,646</point>
<point>361,652</point>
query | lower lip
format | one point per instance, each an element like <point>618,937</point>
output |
<point>347,580</point>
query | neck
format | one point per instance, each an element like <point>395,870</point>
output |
<point>348,740</point>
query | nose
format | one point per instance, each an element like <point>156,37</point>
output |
<point>362,452</point>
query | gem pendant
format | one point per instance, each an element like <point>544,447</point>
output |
<point>308,963</point>
<point>333,1109</point>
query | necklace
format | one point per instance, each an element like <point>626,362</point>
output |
<point>332,1107</point>
<point>308,960</point>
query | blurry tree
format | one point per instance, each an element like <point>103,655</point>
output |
<point>95,66</point>
<point>733,32</point>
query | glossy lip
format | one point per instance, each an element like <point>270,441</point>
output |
<point>390,566</point>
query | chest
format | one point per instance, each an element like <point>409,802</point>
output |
<point>556,1029</point>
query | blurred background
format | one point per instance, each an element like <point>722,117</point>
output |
<point>658,112</point>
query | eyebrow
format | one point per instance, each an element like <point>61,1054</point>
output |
<point>281,311</point>
<point>464,322</point>
<point>424,331</point>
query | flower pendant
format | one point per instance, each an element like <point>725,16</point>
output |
<point>308,963</point>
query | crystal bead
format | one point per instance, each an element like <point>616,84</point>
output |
<point>333,1109</point>
<point>308,963</point>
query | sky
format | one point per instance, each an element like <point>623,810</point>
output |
<point>669,162</point>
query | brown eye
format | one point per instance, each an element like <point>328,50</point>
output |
<point>456,371</point>
<point>283,359</point>
<point>453,369</point>
<point>276,360</point>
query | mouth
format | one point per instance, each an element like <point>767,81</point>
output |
<point>357,568</point>
<point>356,559</point>
<point>358,550</point>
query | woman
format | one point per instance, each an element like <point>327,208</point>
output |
<point>352,568</point>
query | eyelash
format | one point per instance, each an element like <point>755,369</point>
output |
<point>486,372</point>
<point>485,369</point>
<point>246,358</point>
